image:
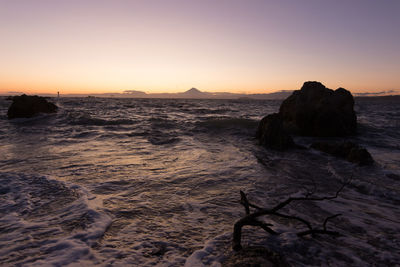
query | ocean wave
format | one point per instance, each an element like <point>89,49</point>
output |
<point>210,254</point>
<point>47,221</point>
<point>86,120</point>
<point>157,140</point>
<point>203,111</point>
<point>226,123</point>
<point>37,119</point>
<point>226,126</point>
<point>162,123</point>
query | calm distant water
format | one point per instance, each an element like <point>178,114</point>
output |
<point>156,182</point>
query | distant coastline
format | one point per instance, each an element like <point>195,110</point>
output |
<point>194,93</point>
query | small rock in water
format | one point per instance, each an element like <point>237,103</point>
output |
<point>28,106</point>
<point>360,155</point>
<point>347,150</point>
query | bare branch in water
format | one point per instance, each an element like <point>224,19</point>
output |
<point>251,219</point>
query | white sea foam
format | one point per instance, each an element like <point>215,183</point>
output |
<point>210,254</point>
<point>50,222</point>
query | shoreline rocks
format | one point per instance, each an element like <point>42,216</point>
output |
<point>25,106</point>
<point>315,110</point>
<point>347,150</point>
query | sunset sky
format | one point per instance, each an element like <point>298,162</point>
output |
<point>244,46</point>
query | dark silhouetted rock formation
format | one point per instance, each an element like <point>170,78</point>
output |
<point>347,150</point>
<point>28,106</point>
<point>271,134</point>
<point>314,110</point>
<point>318,111</point>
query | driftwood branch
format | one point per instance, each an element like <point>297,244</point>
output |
<point>244,202</point>
<point>251,219</point>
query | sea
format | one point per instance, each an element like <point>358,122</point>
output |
<point>156,182</point>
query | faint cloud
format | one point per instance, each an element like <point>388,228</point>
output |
<point>388,92</point>
<point>134,92</point>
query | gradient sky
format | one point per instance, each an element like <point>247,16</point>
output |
<point>252,46</point>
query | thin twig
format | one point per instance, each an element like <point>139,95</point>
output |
<point>294,218</point>
<point>328,218</point>
<point>290,199</point>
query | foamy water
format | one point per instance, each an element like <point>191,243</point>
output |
<point>156,182</point>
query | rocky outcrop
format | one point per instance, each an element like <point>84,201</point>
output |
<point>347,150</point>
<point>28,106</point>
<point>271,133</point>
<point>315,110</point>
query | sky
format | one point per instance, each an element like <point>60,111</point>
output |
<point>242,46</point>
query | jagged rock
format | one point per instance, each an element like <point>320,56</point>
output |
<point>271,134</point>
<point>360,155</point>
<point>318,111</point>
<point>28,106</point>
<point>347,150</point>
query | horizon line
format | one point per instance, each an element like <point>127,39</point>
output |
<point>185,94</point>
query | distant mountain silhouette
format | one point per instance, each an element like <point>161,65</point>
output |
<point>191,93</point>
<point>195,93</point>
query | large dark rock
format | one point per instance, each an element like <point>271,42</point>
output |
<point>347,150</point>
<point>28,106</point>
<point>318,111</point>
<point>271,133</point>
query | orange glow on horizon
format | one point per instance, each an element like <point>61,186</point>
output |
<point>89,47</point>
